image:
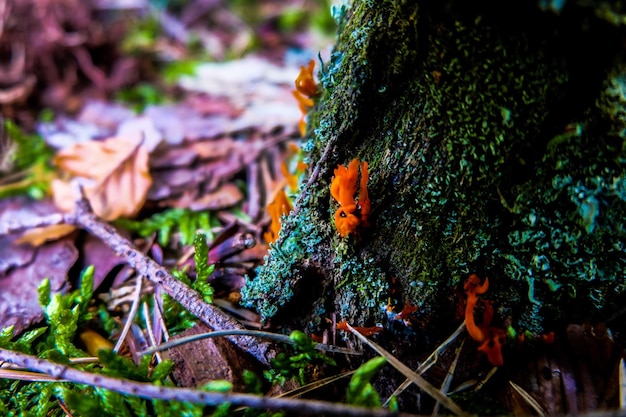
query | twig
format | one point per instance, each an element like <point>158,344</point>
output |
<point>256,333</point>
<point>188,298</point>
<point>150,391</point>
<point>212,316</point>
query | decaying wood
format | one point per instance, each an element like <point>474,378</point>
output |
<point>208,359</point>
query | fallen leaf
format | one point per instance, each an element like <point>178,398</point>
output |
<point>14,248</point>
<point>225,196</point>
<point>13,255</point>
<point>39,235</point>
<point>19,303</point>
<point>118,168</point>
<point>97,253</point>
<point>96,159</point>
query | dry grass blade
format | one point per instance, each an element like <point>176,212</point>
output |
<point>131,316</point>
<point>447,381</point>
<point>315,385</point>
<point>487,377</point>
<point>26,376</point>
<point>430,361</point>
<point>528,398</point>
<point>426,386</point>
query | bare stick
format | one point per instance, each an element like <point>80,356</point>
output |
<point>212,316</point>
<point>146,390</point>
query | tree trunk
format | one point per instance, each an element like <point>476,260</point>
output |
<point>494,134</point>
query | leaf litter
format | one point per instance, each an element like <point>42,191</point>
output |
<point>194,154</point>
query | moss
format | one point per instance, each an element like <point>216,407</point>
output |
<point>279,279</point>
<point>360,284</point>
<point>480,98</point>
<point>490,151</point>
<point>567,235</point>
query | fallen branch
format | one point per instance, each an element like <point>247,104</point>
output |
<point>84,218</point>
<point>146,390</point>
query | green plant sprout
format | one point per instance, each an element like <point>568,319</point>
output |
<point>186,222</point>
<point>360,391</point>
<point>285,367</point>
<point>203,269</point>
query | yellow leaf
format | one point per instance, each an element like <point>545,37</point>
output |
<point>94,342</point>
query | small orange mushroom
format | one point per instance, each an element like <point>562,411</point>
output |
<point>491,339</point>
<point>306,89</point>
<point>407,310</point>
<point>365,331</point>
<point>492,346</point>
<point>305,83</point>
<point>279,206</point>
<point>352,212</point>
<point>548,339</point>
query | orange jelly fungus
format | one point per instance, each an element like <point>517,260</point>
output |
<point>365,331</point>
<point>548,339</point>
<point>351,213</point>
<point>279,206</point>
<point>407,310</point>
<point>305,83</point>
<point>491,339</point>
<point>306,89</point>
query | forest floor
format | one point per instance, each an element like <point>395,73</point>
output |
<point>176,123</point>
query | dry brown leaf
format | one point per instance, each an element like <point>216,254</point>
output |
<point>40,235</point>
<point>120,174</point>
<point>19,304</point>
<point>226,196</point>
<point>95,159</point>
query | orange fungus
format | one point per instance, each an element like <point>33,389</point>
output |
<point>353,210</point>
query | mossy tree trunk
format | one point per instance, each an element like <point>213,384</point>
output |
<point>494,133</point>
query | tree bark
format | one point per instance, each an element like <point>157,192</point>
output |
<point>494,134</point>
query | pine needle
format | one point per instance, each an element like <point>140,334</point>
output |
<point>426,386</point>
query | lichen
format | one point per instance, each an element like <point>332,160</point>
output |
<point>277,281</point>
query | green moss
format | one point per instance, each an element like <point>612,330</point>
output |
<point>285,267</point>
<point>489,152</point>
<point>568,235</point>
